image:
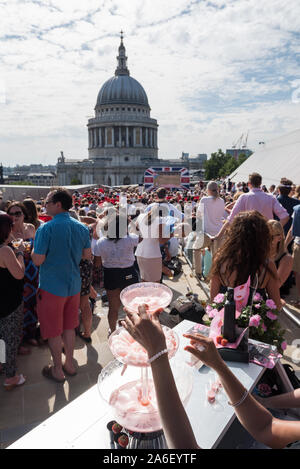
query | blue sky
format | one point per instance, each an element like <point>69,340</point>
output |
<point>212,70</point>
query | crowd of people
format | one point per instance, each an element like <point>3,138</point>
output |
<point>56,253</point>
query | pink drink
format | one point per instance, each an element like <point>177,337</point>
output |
<point>154,295</point>
<point>130,352</point>
<point>211,396</point>
<point>153,303</point>
<point>130,410</point>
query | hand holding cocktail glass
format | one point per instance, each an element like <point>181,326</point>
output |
<point>19,245</point>
<point>146,329</point>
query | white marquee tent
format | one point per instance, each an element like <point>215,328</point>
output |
<point>275,159</point>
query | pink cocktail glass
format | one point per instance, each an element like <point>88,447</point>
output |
<point>154,295</point>
<point>124,393</point>
<point>128,351</point>
<point>130,392</point>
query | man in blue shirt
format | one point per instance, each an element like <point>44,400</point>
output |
<point>59,246</point>
<point>287,202</point>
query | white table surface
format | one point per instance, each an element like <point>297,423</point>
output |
<point>82,423</point>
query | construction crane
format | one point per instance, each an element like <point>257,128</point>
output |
<point>246,140</point>
<point>238,142</point>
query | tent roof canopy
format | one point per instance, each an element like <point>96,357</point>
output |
<point>275,159</point>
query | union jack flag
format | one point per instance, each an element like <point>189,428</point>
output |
<point>171,178</point>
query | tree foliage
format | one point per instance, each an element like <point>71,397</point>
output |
<point>221,165</point>
<point>21,183</point>
<point>75,182</point>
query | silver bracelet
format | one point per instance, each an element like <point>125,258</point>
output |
<point>157,355</point>
<point>241,400</point>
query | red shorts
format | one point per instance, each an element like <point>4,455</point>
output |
<point>57,313</point>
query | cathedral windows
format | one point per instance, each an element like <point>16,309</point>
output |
<point>109,137</point>
<point>138,137</point>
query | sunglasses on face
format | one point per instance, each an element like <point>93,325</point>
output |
<point>15,214</point>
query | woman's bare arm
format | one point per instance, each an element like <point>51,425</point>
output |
<point>215,285</point>
<point>285,268</point>
<point>14,264</point>
<point>272,285</point>
<point>289,400</point>
<point>257,420</point>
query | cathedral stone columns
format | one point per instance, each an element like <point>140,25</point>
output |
<point>95,137</point>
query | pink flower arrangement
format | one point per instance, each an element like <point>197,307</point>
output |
<point>212,313</point>
<point>257,297</point>
<point>270,304</point>
<point>255,320</point>
<point>219,298</point>
<point>271,315</point>
<point>263,326</point>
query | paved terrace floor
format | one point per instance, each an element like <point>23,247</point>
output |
<point>24,408</point>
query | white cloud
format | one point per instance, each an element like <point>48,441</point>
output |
<point>211,69</point>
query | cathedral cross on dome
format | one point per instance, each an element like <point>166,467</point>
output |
<point>122,59</point>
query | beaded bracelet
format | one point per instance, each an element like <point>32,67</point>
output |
<point>241,400</point>
<point>157,355</point>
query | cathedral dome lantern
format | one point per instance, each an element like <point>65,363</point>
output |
<point>122,88</point>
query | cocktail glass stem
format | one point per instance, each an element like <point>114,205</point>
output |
<point>145,389</point>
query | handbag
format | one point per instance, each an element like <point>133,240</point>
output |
<point>188,307</point>
<point>295,381</point>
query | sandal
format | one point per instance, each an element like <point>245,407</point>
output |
<point>10,387</point>
<point>47,373</point>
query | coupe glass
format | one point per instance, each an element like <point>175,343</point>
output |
<point>154,295</point>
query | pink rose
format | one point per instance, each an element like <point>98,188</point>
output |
<point>257,297</point>
<point>270,304</point>
<point>271,315</point>
<point>258,306</point>
<point>255,320</point>
<point>212,313</point>
<point>284,345</point>
<point>219,298</point>
<point>208,308</point>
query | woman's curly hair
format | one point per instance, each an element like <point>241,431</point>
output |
<point>246,248</point>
